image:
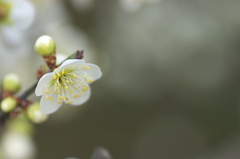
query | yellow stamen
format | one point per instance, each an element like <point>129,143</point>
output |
<point>47,92</point>
<point>85,89</point>
<point>75,96</point>
<point>90,80</point>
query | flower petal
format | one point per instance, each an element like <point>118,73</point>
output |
<point>49,106</point>
<point>94,72</point>
<point>71,62</point>
<point>42,83</point>
<point>82,99</point>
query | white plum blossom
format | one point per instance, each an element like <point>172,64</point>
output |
<point>68,83</point>
<point>15,17</point>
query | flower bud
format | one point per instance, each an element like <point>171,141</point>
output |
<point>11,83</point>
<point>45,45</point>
<point>8,104</point>
<point>20,124</point>
<point>35,115</point>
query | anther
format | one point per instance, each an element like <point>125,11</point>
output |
<point>90,80</point>
<point>47,92</point>
<point>85,89</point>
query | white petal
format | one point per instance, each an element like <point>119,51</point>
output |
<point>48,106</point>
<point>82,99</point>
<point>42,83</point>
<point>94,73</point>
<point>71,62</point>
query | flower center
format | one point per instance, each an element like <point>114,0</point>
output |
<point>66,86</point>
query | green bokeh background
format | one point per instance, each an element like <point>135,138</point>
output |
<point>170,87</point>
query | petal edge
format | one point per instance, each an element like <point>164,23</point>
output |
<point>42,83</point>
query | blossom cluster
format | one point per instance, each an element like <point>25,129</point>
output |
<point>57,84</point>
<point>65,83</point>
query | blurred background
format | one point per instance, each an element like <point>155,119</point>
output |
<point>171,77</point>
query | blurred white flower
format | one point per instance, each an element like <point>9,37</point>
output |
<point>15,16</point>
<point>101,153</point>
<point>133,5</point>
<point>17,146</point>
<point>69,83</point>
